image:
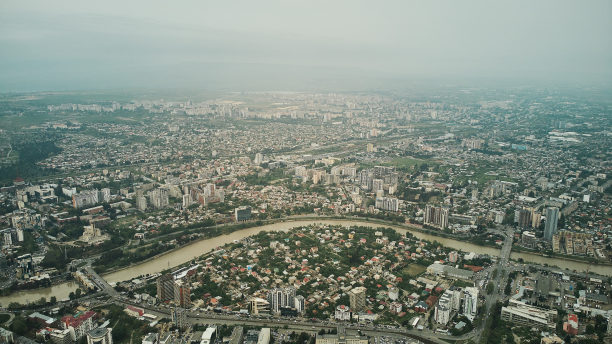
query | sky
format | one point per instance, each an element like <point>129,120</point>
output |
<point>294,45</point>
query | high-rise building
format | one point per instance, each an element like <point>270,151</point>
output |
<point>179,317</point>
<point>523,218</point>
<point>104,195</point>
<point>449,301</point>
<point>299,303</point>
<point>258,159</point>
<point>387,203</point>
<point>357,299</point>
<point>281,298</point>
<point>442,312</point>
<point>159,198</point>
<point>377,185</point>
<point>550,227</point>
<point>436,216</point>
<point>165,288</point>
<point>470,302</point>
<point>141,203</point>
<point>536,219</point>
<point>85,198</point>
<point>182,294</point>
<point>187,200</point>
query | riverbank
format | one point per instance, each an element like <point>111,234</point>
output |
<point>287,223</point>
<point>197,248</point>
<point>587,260</point>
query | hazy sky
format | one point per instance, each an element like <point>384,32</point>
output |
<point>254,44</point>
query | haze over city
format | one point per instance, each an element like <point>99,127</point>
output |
<point>301,45</point>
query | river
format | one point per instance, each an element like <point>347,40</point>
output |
<point>198,248</point>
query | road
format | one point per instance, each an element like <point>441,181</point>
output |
<point>499,283</point>
<point>100,282</point>
<point>296,324</point>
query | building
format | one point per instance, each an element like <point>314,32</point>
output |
<point>150,338</point>
<point>550,226</point>
<point>85,198</point>
<point>242,213</point>
<point>281,298</point>
<point>258,305</point>
<point>165,288</point>
<point>523,218</point>
<point>100,335</point>
<point>470,302</point>
<point>520,313</point>
<point>60,336</point>
<point>264,336</point>
<point>342,313</point>
<point>387,203</point>
<point>104,195</point>
<point>209,335</point>
<point>237,335</point>
<point>536,219</point>
<point>25,265</point>
<point>340,338</point>
<point>357,298</point>
<point>141,203</point>
<point>552,339</point>
<point>92,235</point>
<point>182,294</point>
<point>455,295</point>
<point>299,303</point>
<point>179,317</point>
<point>436,216</point>
<point>79,324</point>
<point>187,200</point>
<point>453,256</point>
<point>258,159</point>
<point>571,325</point>
<point>450,271</point>
<point>528,239</point>
<point>443,309</point>
<point>134,311</point>
<point>393,293</point>
<point>6,336</point>
<point>377,185</point>
<point>159,198</point>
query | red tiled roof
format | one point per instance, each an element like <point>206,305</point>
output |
<point>77,321</point>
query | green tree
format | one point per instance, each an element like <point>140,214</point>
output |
<point>19,325</point>
<point>490,288</point>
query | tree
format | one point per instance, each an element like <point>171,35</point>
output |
<point>490,288</point>
<point>53,299</point>
<point>19,325</point>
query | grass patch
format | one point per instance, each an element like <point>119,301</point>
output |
<point>414,270</point>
